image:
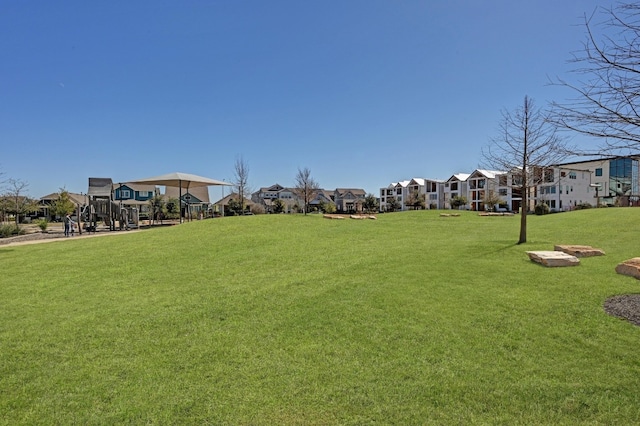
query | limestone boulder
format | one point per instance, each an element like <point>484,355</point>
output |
<point>553,258</point>
<point>578,250</point>
<point>630,267</point>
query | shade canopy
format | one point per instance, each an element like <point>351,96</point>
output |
<point>181,180</point>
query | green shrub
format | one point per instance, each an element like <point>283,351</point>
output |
<point>257,209</point>
<point>10,231</point>
<point>583,206</point>
<point>43,224</point>
<point>541,209</point>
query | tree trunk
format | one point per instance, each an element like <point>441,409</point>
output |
<point>525,181</point>
<point>523,220</point>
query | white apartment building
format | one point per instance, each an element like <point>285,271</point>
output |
<point>395,191</point>
<point>455,186</point>
<point>433,190</point>
<point>616,178</point>
<point>429,189</point>
<point>479,184</point>
<point>613,181</point>
<point>564,188</point>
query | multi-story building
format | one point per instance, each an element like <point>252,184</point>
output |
<point>617,179</point>
<point>394,194</point>
<point>563,188</point>
<point>267,195</point>
<point>455,186</point>
<point>479,184</point>
<point>349,200</point>
<point>345,199</point>
<point>405,194</point>
<point>433,191</point>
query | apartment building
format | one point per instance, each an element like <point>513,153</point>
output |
<point>479,184</point>
<point>394,194</point>
<point>613,181</point>
<point>564,188</point>
<point>455,186</point>
<point>616,178</point>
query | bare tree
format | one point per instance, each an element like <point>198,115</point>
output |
<point>241,182</point>
<point>607,100</point>
<point>306,187</point>
<point>527,146</point>
<point>19,202</point>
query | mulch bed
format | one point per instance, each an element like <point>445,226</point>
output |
<point>36,236</point>
<point>624,306</point>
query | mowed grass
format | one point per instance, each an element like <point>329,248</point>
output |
<point>284,319</point>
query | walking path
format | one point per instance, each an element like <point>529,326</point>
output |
<point>40,237</point>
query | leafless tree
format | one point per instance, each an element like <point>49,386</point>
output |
<point>607,98</point>
<point>241,182</point>
<point>527,146</point>
<point>306,187</point>
<point>18,202</point>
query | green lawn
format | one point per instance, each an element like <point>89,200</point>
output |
<point>285,319</point>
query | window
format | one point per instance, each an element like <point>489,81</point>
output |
<point>502,192</point>
<point>125,194</point>
<point>548,175</point>
<point>454,186</point>
<point>599,172</point>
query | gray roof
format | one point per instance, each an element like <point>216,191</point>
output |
<point>100,187</point>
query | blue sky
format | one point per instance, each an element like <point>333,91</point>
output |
<point>361,92</point>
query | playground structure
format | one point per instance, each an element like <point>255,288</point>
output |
<point>103,208</point>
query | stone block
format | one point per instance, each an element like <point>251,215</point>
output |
<point>630,267</point>
<point>579,251</point>
<point>553,258</point>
